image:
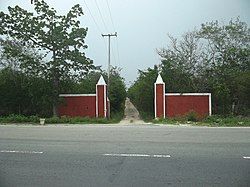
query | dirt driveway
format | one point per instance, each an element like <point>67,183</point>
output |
<point>131,114</point>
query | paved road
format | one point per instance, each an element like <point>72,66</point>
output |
<point>124,156</point>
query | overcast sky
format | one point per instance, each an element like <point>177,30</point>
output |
<point>142,25</point>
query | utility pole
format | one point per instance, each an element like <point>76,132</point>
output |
<point>109,36</point>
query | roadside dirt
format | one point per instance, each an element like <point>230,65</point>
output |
<point>131,114</point>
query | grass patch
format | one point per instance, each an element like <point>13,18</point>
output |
<point>227,121</point>
<point>145,116</point>
<point>77,120</point>
<point>13,118</point>
<point>213,121</point>
<point>174,121</point>
<point>115,118</point>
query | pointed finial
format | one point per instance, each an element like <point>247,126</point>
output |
<point>101,81</point>
<point>159,79</point>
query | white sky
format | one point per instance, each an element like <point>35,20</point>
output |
<point>142,26</point>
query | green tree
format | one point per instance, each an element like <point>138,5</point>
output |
<point>23,94</point>
<point>16,56</point>
<point>87,84</point>
<point>117,90</point>
<point>59,38</point>
<point>141,93</point>
<point>227,59</point>
<point>181,63</point>
<point>215,59</point>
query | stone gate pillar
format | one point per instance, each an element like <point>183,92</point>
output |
<point>159,97</point>
<point>101,98</point>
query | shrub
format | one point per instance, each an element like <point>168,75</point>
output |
<point>14,118</point>
<point>56,120</point>
<point>216,120</point>
<point>192,116</point>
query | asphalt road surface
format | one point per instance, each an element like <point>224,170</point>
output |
<point>124,155</point>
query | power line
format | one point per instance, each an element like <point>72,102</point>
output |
<point>118,53</point>
<point>92,16</point>
<point>105,26</point>
<point>110,14</point>
<point>114,56</point>
<point>97,26</point>
<point>111,18</point>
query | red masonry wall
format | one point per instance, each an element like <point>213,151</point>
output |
<point>159,100</point>
<point>78,106</point>
<point>180,105</point>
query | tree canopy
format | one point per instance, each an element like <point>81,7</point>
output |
<point>215,58</point>
<point>57,40</point>
<point>117,89</point>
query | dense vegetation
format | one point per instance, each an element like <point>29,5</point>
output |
<point>215,58</point>
<point>46,44</point>
<point>21,119</point>
<point>31,95</point>
<point>41,56</point>
<point>117,89</point>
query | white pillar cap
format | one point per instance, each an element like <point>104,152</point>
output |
<point>159,80</point>
<point>101,81</point>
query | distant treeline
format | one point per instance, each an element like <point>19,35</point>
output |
<point>215,58</point>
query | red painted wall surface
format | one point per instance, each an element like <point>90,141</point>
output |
<point>101,100</point>
<point>180,105</point>
<point>78,106</point>
<point>159,100</point>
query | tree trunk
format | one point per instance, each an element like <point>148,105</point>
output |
<point>54,110</point>
<point>55,85</point>
<point>55,114</point>
<point>233,108</point>
<point>56,93</point>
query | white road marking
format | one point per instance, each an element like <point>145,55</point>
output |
<point>246,157</point>
<point>137,155</point>
<point>128,155</point>
<point>24,152</point>
<point>162,156</point>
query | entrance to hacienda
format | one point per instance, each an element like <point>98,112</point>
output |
<point>95,105</point>
<point>165,104</point>
<point>179,104</point>
<point>86,105</point>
